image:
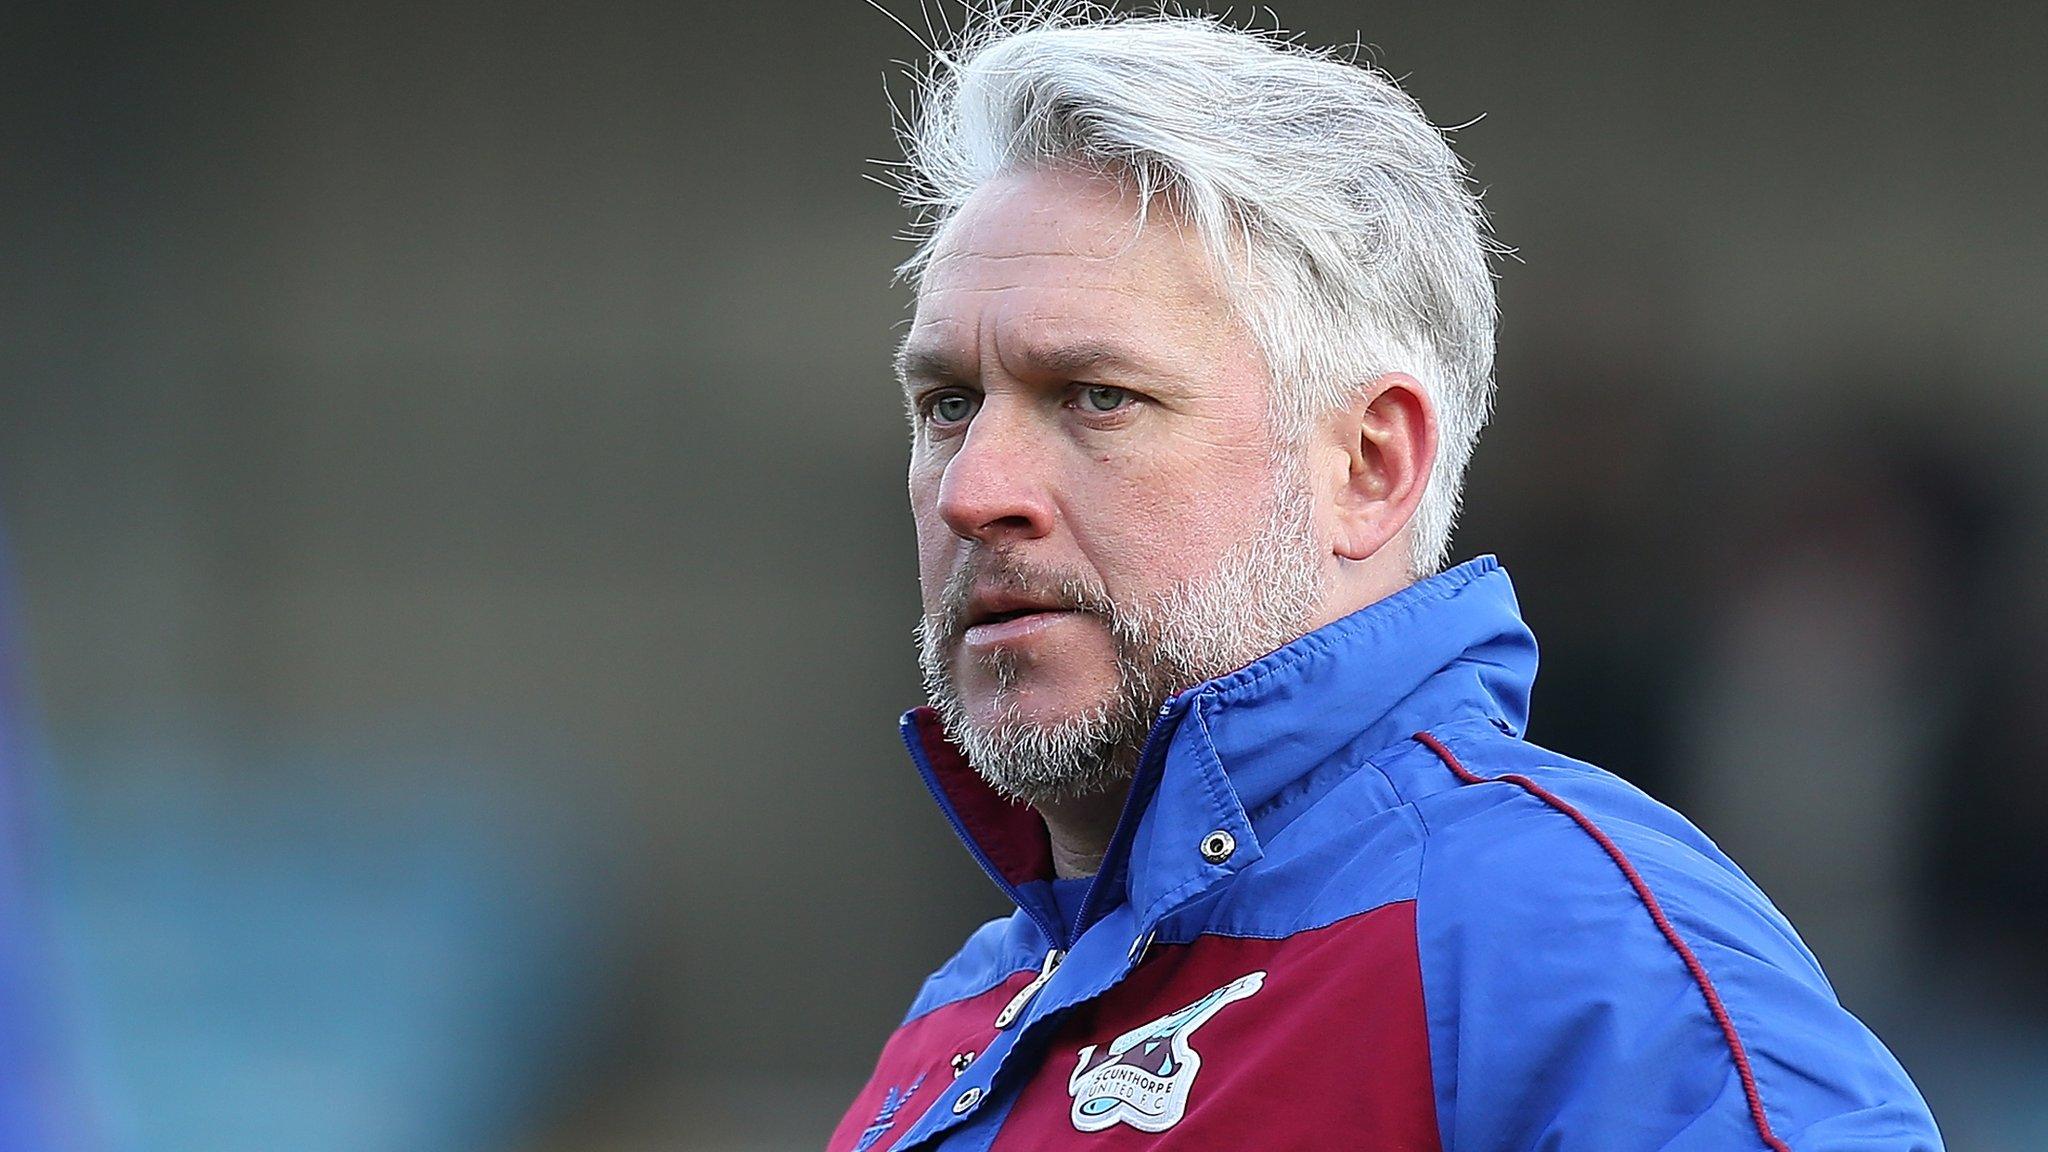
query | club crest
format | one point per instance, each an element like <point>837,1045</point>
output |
<point>1142,1077</point>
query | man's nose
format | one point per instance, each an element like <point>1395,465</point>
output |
<point>995,488</point>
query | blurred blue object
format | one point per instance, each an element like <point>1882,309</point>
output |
<point>38,1109</point>
<point>363,948</point>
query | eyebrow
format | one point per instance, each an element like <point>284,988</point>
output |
<point>925,364</point>
<point>1069,359</point>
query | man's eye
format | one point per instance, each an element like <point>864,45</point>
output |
<point>1102,398</point>
<point>950,408</point>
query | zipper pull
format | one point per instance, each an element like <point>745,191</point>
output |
<point>1015,1007</point>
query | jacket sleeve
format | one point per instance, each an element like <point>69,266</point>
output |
<point>1564,1015</point>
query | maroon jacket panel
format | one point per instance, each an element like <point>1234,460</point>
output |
<point>1326,1047</point>
<point>916,1067</point>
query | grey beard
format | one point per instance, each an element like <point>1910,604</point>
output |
<point>1259,597</point>
<point>1038,763</point>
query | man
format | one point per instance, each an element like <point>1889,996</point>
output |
<point>1203,341</point>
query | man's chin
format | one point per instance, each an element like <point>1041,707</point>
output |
<point>1051,757</point>
<point>1044,709</point>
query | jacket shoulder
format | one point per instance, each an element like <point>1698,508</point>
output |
<point>1568,922</point>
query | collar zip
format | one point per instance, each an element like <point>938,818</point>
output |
<point>1022,999</point>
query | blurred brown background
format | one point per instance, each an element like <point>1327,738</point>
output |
<point>453,485</point>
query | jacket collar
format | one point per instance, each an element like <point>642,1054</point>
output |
<point>1225,754</point>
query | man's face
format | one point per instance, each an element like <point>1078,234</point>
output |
<point>1102,515</point>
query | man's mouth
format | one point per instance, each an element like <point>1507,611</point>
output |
<point>998,618</point>
<point>1010,627</point>
<point>1011,614</point>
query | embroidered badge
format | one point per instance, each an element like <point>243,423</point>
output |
<point>885,1117</point>
<point>1143,1077</point>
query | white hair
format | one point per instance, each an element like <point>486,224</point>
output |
<point>1342,223</point>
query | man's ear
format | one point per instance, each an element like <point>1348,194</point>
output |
<point>1389,439</point>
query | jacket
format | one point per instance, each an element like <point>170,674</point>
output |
<point>1349,906</point>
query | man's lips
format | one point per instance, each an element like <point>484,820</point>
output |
<point>989,605</point>
<point>1011,627</point>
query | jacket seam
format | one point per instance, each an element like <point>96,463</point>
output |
<point>1378,758</point>
<point>1288,934</point>
<point>1704,982</point>
<point>1373,762</point>
<point>915,1015</point>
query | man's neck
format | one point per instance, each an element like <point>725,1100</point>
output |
<point>1080,830</point>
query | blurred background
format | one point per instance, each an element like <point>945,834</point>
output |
<point>458,583</point>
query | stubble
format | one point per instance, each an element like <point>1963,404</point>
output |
<point>1259,596</point>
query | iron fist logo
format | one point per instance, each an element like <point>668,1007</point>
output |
<point>1143,1077</point>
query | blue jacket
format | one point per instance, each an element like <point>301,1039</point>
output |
<point>1348,906</point>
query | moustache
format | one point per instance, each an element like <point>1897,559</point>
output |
<point>990,570</point>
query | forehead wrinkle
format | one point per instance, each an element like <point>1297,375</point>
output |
<point>1115,289</point>
<point>1048,309</point>
<point>1035,340</point>
<point>1177,271</point>
<point>955,255</point>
